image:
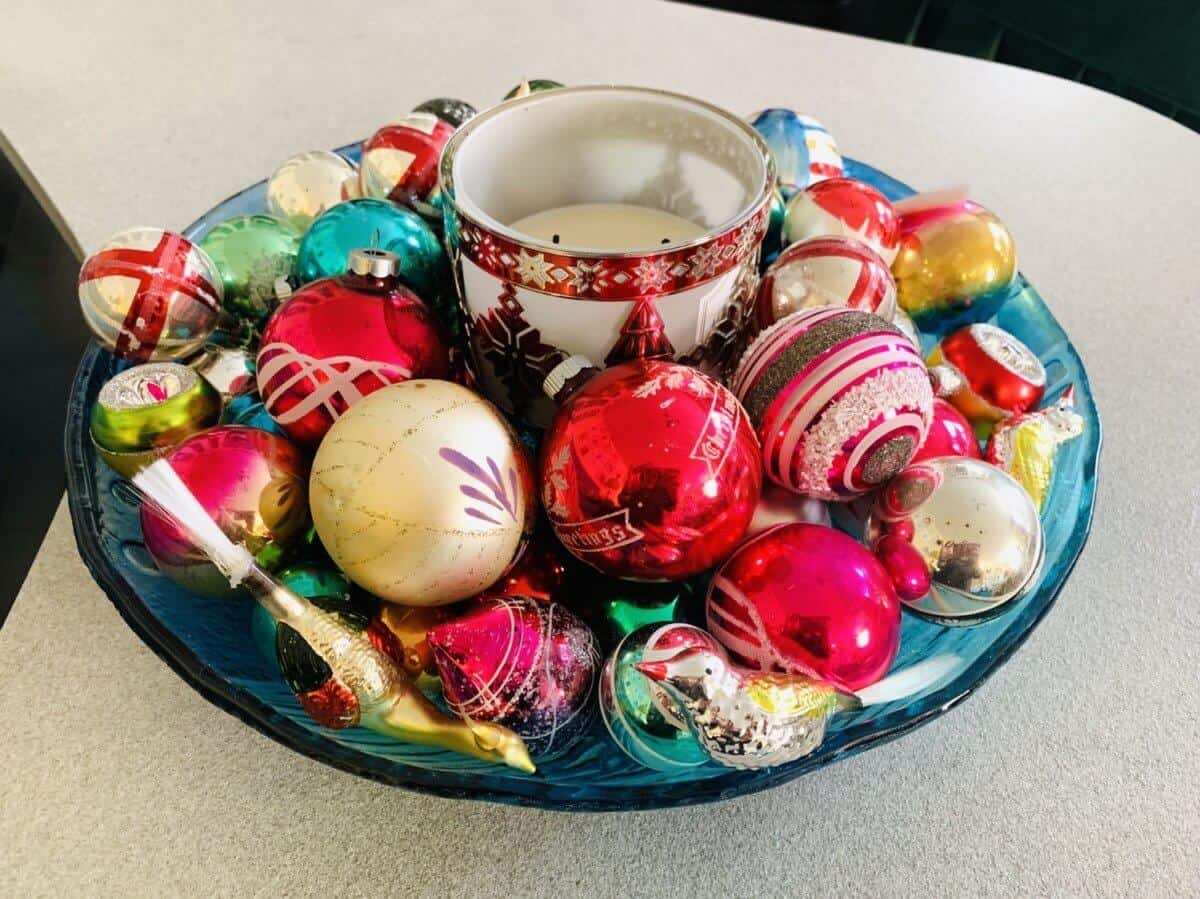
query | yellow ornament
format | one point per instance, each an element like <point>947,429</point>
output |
<point>422,494</point>
<point>1026,445</point>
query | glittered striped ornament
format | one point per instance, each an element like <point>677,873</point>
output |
<point>804,150</point>
<point>149,294</point>
<point>840,399</point>
<point>526,664</point>
<point>826,271</point>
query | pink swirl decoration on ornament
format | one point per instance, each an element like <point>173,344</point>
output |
<point>330,378</point>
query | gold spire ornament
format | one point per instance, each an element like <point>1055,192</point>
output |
<point>365,687</point>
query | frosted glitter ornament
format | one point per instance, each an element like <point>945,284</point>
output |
<point>308,184</point>
<point>400,162</point>
<point>840,399</point>
<point>338,339</point>
<point>744,718</point>
<point>951,255</point>
<point>422,494</point>
<point>804,150</point>
<point>950,434</point>
<point>149,294</point>
<point>379,225</point>
<point>454,113</point>
<point>844,207</point>
<point>1025,445</point>
<point>973,528</point>
<point>251,483</point>
<point>527,665</point>
<point>807,599</point>
<point>649,471</point>
<point>252,252</point>
<point>987,373</point>
<point>826,271</point>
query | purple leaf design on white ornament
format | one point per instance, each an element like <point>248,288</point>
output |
<point>496,494</point>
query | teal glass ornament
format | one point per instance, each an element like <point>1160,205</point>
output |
<point>248,409</point>
<point>376,224</point>
<point>251,252</point>
<point>286,651</point>
<point>639,721</point>
<point>773,241</point>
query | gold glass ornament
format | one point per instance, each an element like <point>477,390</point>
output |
<point>309,183</point>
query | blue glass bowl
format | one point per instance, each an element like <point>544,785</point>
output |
<point>210,644</point>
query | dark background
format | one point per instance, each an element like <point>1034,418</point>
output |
<point>1145,51</point>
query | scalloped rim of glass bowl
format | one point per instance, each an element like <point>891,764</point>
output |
<point>85,507</point>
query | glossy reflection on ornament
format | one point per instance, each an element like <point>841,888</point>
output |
<point>308,184</point>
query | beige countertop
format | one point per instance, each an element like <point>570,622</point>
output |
<point>1075,770</point>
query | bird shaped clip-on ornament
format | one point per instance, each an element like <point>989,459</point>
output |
<point>370,689</point>
<point>744,718</point>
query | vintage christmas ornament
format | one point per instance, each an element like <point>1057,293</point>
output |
<point>638,714</point>
<point>744,718</point>
<point>843,207</point>
<point>975,529</point>
<point>150,294</point>
<point>402,633</point>
<point>779,506</point>
<point>826,271</point>
<point>540,573</point>
<point>804,150</point>
<point>773,241</point>
<point>379,225</point>
<point>338,339</point>
<point>144,411</point>
<point>806,599</point>
<point>987,373</point>
<point>950,434</point>
<point>951,255</point>
<point>251,253</point>
<point>422,494</point>
<point>229,369</point>
<point>454,113</point>
<point>901,320</point>
<point>840,399</point>
<point>248,409</point>
<point>355,682</point>
<point>329,590</point>
<point>532,86</point>
<point>649,471</point>
<point>528,665</point>
<point>251,483</point>
<point>1026,445</point>
<point>308,184</point>
<point>400,162</point>
<point>613,608</point>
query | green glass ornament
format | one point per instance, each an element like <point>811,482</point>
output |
<point>532,86</point>
<point>251,252</point>
<point>452,111</point>
<point>613,608</point>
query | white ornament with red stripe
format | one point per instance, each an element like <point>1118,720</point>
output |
<point>150,294</point>
<point>826,271</point>
<point>840,399</point>
<point>844,207</point>
<point>400,161</point>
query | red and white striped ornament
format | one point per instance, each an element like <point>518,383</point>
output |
<point>400,161</point>
<point>840,399</point>
<point>847,208</point>
<point>150,294</point>
<point>826,271</point>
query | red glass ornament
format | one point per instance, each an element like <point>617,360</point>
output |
<point>539,574</point>
<point>807,599</point>
<point>400,160</point>
<point>528,665</point>
<point>999,374</point>
<point>650,471</point>
<point>339,339</point>
<point>950,434</point>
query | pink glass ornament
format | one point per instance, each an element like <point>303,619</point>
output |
<point>526,664</point>
<point>650,471</point>
<point>807,599</point>
<point>339,339</point>
<point>840,398</point>
<point>950,434</point>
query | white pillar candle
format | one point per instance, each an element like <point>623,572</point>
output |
<point>608,227</point>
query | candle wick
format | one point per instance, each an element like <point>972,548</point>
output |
<point>666,240</point>
<point>555,238</point>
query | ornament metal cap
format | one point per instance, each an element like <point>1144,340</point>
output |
<point>376,263</point>
<point>558,377</point>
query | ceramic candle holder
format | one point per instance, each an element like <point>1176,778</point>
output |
<point>528,303</point>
